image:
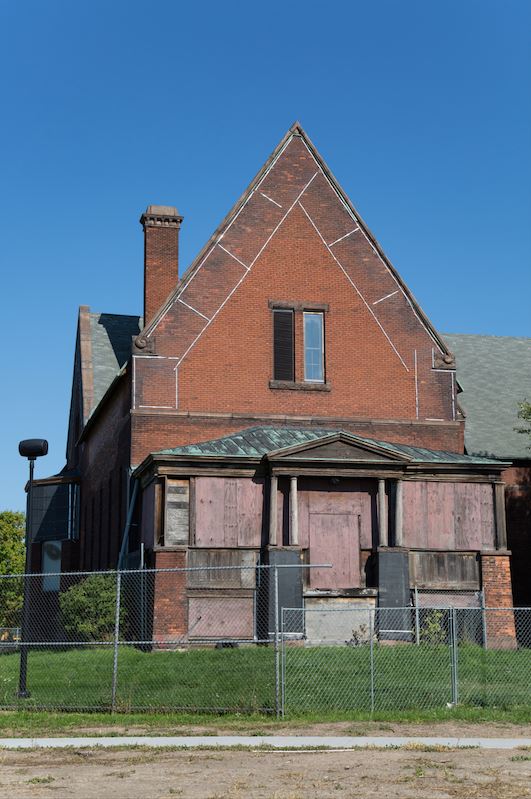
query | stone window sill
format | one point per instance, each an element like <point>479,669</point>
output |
<point>290,385</point>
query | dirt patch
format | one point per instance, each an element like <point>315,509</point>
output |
<point>444,728</point>
<point>144,774</point>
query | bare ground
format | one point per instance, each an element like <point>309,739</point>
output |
<point>162,774</point>
<point>450,729</point>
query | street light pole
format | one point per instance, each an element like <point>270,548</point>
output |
<point>31,449</point>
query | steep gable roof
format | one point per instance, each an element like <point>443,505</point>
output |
<point>294,175</point>
<point>111,337</point>
<point>494,373</point>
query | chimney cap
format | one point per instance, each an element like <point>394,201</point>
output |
<point>165,215</point>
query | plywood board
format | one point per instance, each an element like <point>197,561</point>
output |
<point>220,618</point>
<point>221,568</point>
<point>415,524</point>
<point>209,511</point>
<point>334,540</point>
<point>228,511</point>
<point>440,515</point>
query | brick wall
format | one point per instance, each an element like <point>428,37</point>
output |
<point>155,431</point>
<point>496,581</point>
<point>379,355</point>
<point>170,604</point>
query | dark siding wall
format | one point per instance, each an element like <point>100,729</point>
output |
<point>104,464</point>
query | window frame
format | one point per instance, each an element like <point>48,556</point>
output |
<point>320,314</point>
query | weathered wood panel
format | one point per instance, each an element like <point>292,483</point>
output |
<point>467,517</point>
<point>250,505</point>
<point>228,511</point>
<point>221,568</point>
<point>444,570</point>
<point>488,524</point>
<point>440,515</point>
<point>334,539</point>
<point>220,618</point>
<point>445,515</point>
<point>177,524</point>
<point>356,497</point>
<point>415,504</point>
<point>209,511</point>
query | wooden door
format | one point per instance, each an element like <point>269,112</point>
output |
<point>334,538</point>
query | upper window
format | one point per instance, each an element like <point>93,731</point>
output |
<point>283,345</point>
<point>314,347</point>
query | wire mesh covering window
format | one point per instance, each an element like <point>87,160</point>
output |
<point>314,347</point>
<point>283,345</point>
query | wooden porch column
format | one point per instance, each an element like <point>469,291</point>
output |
<point>273,499</point>
<point>293,513</point>
<point>383,539</point>
<point>499,512</point>
<point>399,513</point>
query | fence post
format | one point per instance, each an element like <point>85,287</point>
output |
<point>483,618</point>
<point>454,661</point>
<point>282,665</point>
<point>372,612</point>
<point>417,619</point>
<point>277,651</point>
<point>116,637</point>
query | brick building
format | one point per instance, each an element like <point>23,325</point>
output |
<point>286,400</point>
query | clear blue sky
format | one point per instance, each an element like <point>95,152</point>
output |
<point>421,109</point>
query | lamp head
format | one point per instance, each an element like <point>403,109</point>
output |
<point>33,448</point>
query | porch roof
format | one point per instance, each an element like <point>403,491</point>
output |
<point>255,442</point>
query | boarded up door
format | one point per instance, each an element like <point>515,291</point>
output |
<point>334,539</point>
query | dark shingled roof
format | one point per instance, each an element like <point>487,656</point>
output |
<point>111,336</point>
<point>255,442</point>
<point>495,374</point>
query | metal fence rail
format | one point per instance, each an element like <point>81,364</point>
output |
<point>220,639</point>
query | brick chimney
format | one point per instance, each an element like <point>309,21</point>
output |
<point>161,225</point>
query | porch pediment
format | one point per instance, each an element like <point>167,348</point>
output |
<point>338,447</point>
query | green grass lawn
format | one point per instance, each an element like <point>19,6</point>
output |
<point>327,679</point>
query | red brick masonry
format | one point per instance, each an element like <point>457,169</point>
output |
<point>496,572</point>
<point>170,616</point>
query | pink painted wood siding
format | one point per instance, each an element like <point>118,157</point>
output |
<point>334,539</point>
<point>441,515</point>
<point>350,496</point>
<point>221,617</point>
<point>228,512</point>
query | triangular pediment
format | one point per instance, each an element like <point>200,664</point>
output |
<point>339,447</point>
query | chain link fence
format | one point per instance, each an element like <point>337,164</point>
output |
<point>221,639</point>
<point>370,659</point>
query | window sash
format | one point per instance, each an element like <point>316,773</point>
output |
<point>313,347</point>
